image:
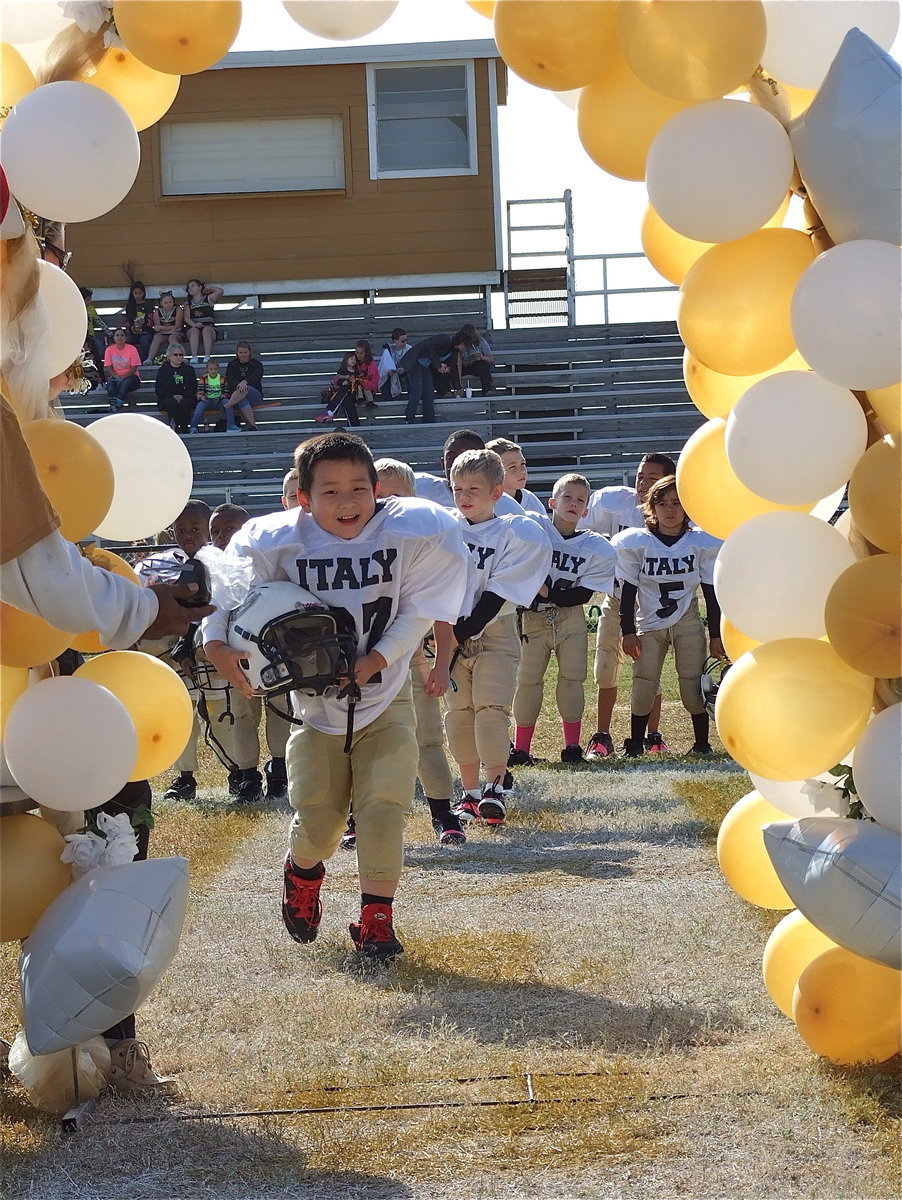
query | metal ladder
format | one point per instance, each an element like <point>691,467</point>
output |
<point>540,293</point>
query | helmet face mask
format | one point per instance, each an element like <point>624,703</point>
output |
<point>713,673</point>
<point>292,642</point>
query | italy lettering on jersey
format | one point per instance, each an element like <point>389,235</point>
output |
<point>530,503</point>
<point>612,509</point>
<point>666,577</point>
<point>585,560</point>
<point>408,560</point>
<point>511,557</point>
<point>438,490</point>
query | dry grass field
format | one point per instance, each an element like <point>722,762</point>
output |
<point>579,1013</point>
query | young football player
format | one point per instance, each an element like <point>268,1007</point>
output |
<point>437,488</point>
<point>393,566</point>
<point>582,563</point>
<point>290,489</point>
<point>515,475</point>
<point>661,567</point>
<point>610,510</point>
<point>511,556</point>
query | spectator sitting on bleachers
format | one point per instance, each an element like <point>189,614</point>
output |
<point>436,353</point>
<point>341,394</point>
<point>391,376</point>
<point>211,393</point>
<point>96,340</point>
<point>244,377</point>
<point>177,390</point>
<point>367,372</point>
<point>138,324</point>
<point>200,316</point>
<point>167,318</point>
<point>475,359</point>
<point>120,364</point>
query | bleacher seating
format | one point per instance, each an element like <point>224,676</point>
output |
<point>584,398</point>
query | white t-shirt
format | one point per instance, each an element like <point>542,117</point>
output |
<point>585,559</point>
<point>612,509</point>
<point>666,577</point>
<point>511,557</point>
<point>438,490</point>
<point>409,560</point>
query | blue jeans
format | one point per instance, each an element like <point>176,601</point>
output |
<point>421,388</point>
<point>119,390</point>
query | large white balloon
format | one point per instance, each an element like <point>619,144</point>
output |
<point>804,797</point>
<point>845,315</point>
<point>878,768</point>
<point>68,316</point>
<point>847,144</point>
<point>92,744</point>
<point>802,39</point>
<point>773,574</point>
<point>719,170</point>
<point>31,20</point>
<point>153,475</point>
<point>70,151</point>
<point>795,438</point>
<point>340,22</point>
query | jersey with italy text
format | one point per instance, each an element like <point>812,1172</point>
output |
<point>511,557</point>
<point>438,490</point>
<point>666,577</point>
<point>409,559</point>
<point>585,559</point>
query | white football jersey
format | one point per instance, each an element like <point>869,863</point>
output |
<point>585,559</point>
<point>437,489</point>
<point>511,557</point>
<point>666,577</point>
<point>531,504</point>
<point>612,509</point>
<point>408,560</point>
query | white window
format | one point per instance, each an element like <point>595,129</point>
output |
<point>422,120</point>
<point>298,154</point>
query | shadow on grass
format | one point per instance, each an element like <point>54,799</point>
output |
<point>581,856</point>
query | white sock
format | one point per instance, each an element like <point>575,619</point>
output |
<point>476,793</point>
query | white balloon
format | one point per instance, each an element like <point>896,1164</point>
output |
<point>70,151</point>
<point>878,768</point>
<point>31,21</point>
<point>152,472</point>
<point>719,170</point>
<point>569,99</point>
<point>802,39</point>
<point>845,315</point>
<point>340,22</point>
<point>795,438</point>
<point>847,144</point>
<point>68,316</point>
<point>827,506</point>
<point>820,800</point>
<point>773,574</point>
<point>94,743</point>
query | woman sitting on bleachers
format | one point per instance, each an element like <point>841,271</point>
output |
<point>138,325</point>
<point>177,390</point>
<point>167,319</point>
<point>476,359</point>
<point>200,316</point>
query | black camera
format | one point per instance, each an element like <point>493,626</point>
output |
<point>194,571</point>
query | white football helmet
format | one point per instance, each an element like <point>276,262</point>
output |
<point>713,673</point>
<point>291,641</point>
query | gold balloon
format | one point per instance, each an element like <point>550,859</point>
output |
<point>790,709</point>
<point>617,119</point>
<point>31,874</point>
<point>673,255</point>
<point>735,642</point>
<point>734,303</point>
<point>874,495</point>
<point>863,616</point>
<point>16,78</point>
<point>742,854</point>
<point>557,44</point>
<point>485,8</point>
<point>76,473</point>
<point>714,394</point>
<point>177,37</point>
<point>90,643</point>
<point>847,1008</point>
<point>709,489</point>
<point>156,700</point>
<point>887,404</point>
<point>695,50</point>
<point>13,682</point>
<point>793,944</point>
<point>145,94</point>
<point>28,641</point>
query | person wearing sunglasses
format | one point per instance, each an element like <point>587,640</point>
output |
<point>177,390</point>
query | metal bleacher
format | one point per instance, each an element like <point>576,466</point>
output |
<point>587,398</point>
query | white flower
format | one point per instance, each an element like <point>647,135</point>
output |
<point>84,851</point>
<point>121,844</point>
<point>88,15</point>
<point>816,788</point>
<point>114,827</point>
<point>111,38</point>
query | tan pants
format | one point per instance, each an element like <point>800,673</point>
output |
<point>687,637</point>
<point>432,769</point>
<point>235,724</point>
<point>478,718</point>
<point>379,772</point>
<point>568,640</point>
<point>608,655</point>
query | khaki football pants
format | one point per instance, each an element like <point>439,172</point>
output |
<point>608,655</point>
<point>568,640</point>
<point>687,636</point>
<point>478,715</point>
<point>433,769</point>
<point>235,722</point>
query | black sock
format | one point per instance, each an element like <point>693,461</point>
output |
<point>638,725</point>
<point>369,898</point>
<point>701,726</point>
<point>309,872</point>
<point>440,809</point>
<point>186,774</point>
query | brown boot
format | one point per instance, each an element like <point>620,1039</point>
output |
<point>130,1070</point>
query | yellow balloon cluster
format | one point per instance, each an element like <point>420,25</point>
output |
<point>742,854</point>
<point>76,473</point>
